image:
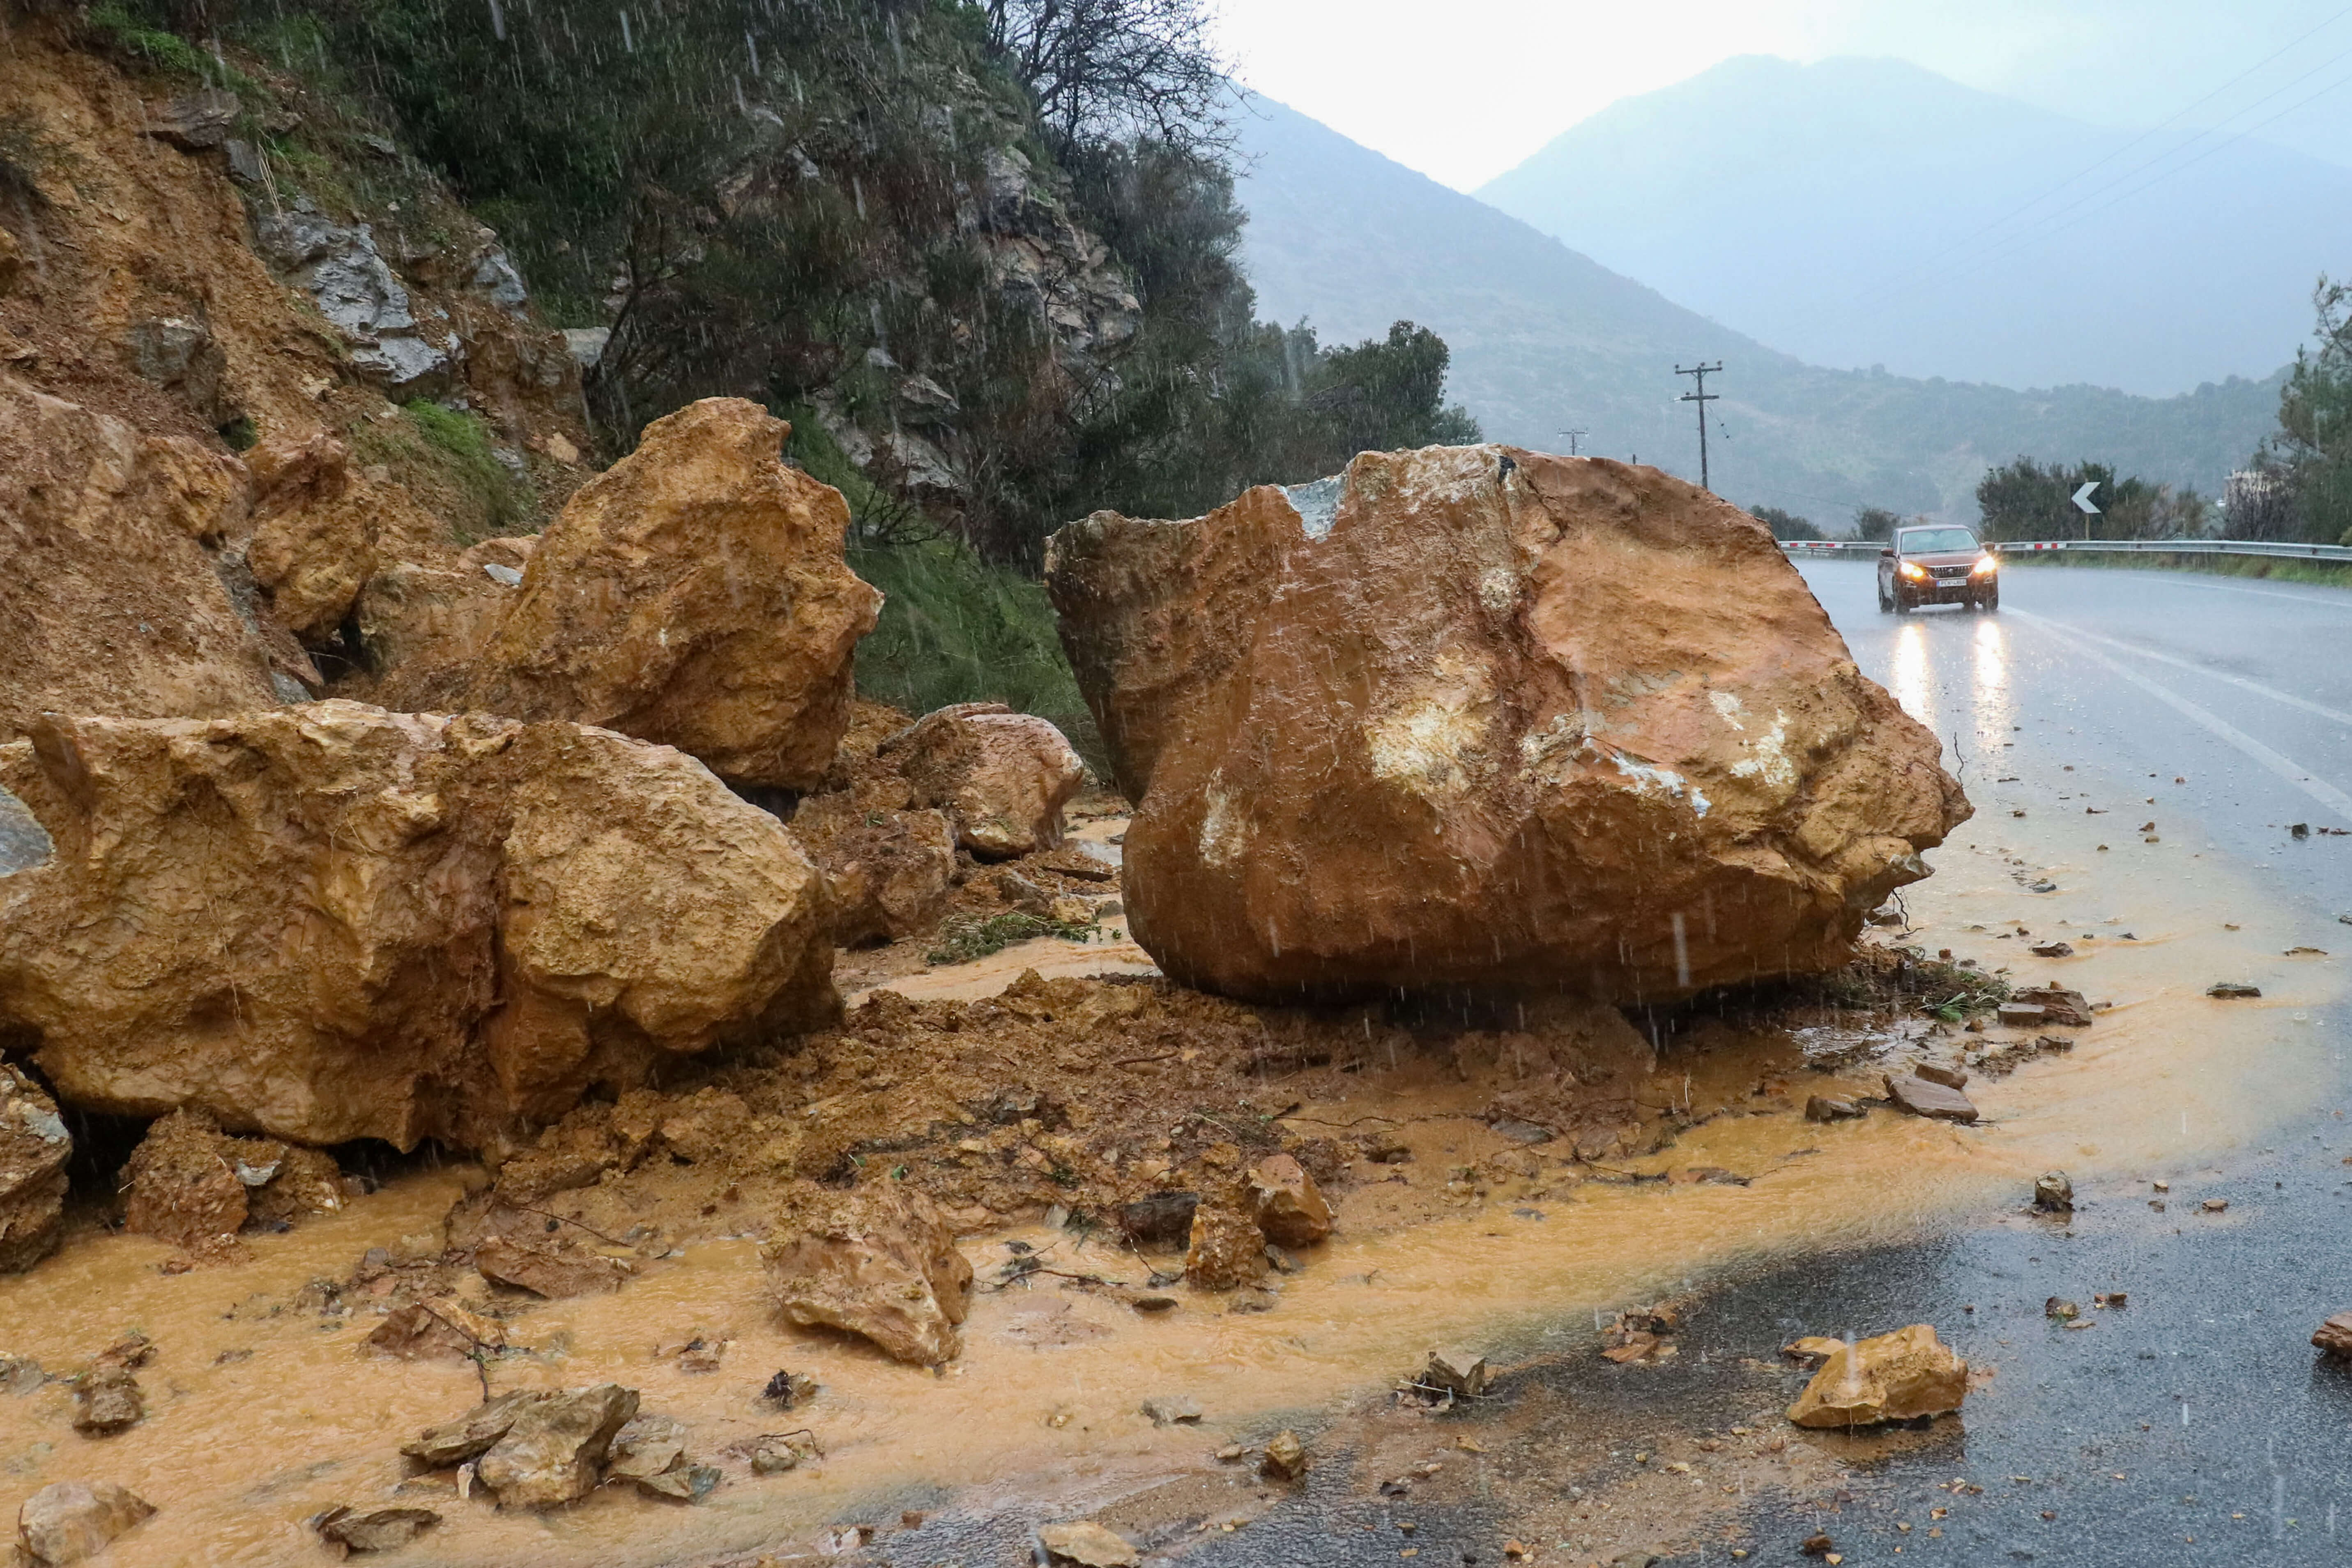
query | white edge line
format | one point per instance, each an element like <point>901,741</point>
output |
<point>2327,795</point>
<point>2257,687</point>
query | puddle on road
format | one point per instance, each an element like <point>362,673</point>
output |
<point>258,1419</point>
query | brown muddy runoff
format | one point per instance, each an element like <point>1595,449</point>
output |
<point>262,1411</point>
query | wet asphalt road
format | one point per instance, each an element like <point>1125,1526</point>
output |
<point>2196,1426</point>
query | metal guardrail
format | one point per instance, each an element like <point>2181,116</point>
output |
<point>2278,549</point>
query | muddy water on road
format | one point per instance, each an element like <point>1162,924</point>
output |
<point>261,1414</point>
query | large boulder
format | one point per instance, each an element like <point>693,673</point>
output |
<point>313,544</point>
<point>69,1522</point>
<point>693,594</point>
<point>34,1149</point>
<point>330,921</point>
<point>1485,717</point>
<point>1002,777</point>
<point>109,602</point>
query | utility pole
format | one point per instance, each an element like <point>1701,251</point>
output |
<point>1573,436</point>
<point>1702,397</point>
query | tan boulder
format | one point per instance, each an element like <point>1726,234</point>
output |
<point>693,594</point>
<point>1002,777</point>
<point>2335,1336</point>
<point>181,1186</point>
<point>1287,1203</point>
<point>110,598</point>
<point>313,544</point>
<point>1892,1377</point>
<point>1497,718</point>
<point>889,871</point>
<point>70,1522</point>
<point>1082,1543</point>
<point>880,1263</point>
<point>34,1149</point>
<point>330,921</point>
<point>1227,1248</point>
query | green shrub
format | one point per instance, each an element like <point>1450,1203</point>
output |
<point>966,937</point>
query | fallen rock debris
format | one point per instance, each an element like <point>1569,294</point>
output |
<point>2232,991</point>
<point>880,1263</point>
<point>70,1522</point>
<point>2054,1194</point>
<point>1890,1377</point>
<point>1831,1108</point>
<point>1002,777</point>
<point>1084,1545</point>
<point>2335,1337</point>
<point>1285,1457</point>
<point>553,1269</point>
<point>1924,1097</point>
<point>34,1149</point>
<point>374,1529</point>
<point>107,1400</point>
<point>534,1449</point>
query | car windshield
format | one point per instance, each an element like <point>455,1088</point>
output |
<point>1935,541</point>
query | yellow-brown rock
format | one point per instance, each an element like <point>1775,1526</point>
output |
<point>879,1263</point>
<point>108,599</point>
<point>313,544</point>
<point>34,1149</point>
<point>330,921</point>
<point>889,871</point>
<point>188,1182</point>
<point>1892,1377</point>
<point>1227,1248</point>
<point>1287,1203</point>
<point>1499,720</point>
<point>1002,777</point>
<point>693,594</point>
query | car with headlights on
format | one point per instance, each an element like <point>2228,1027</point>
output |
<point>1937,563</point>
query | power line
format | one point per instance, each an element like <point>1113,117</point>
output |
<point>1702,397</point>
<point>1573,438</point>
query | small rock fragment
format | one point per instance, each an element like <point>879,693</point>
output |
<point>422,1330</point>
<point>1461,1373</point>
<point>374,1529</point>
<point>2335,1337</point>
<point>1162,1219</point>
<point>1831,1108</point>
<point>1923,1097</point>
<point>2061,1007</point>
<point>2021,1015</point>
<point>553,1269</point>
<point>1227,1249</point>
<point>1087,1544</point>
<point>1814,1348</point>
<point>2214,1206</point>
<point>1285,1457</point>
<point>1936,1072</point>
<point>2052,950</point>
<point>645,1447</point>
<point>1169,1408</point>
<point>555,1447</point>
<point>34,1149</point>
<point>880,1263</point>
<point>786,1389</point>
<point>1287,1203</point>
<point>2061,1308</point>
<point>472,1434</point>
<point>107,1400</point>
<point>67,1521</point>
<point>2053,1192</point>
<point>1889,1377</point>
<point>2232,991</point>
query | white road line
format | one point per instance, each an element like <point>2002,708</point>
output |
<point>2294,772</point>
<point>2312,598</point>
<point>2257,687</point>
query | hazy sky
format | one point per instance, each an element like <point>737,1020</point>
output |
<point>1463,90</point>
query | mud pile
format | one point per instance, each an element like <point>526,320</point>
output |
<point>1495,717</point>
<point>333,922</point>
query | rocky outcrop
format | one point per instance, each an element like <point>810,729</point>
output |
<point>1501,719</point>
<point>339,265</point>
<point>1892,1377</point>
<point>332,921</point>
<point>880,1264</point>
<point>109,602</point>
<point>34,1149</point>
<point>693,594</point>
<point>1002,777</point>
<point>69,1521</point>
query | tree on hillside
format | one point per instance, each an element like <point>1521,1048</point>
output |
<point>2311,454</point>
<point>1114,70</point>
<point>2028,500</point>
<point>1785,524</point>
<point>1875,522</point>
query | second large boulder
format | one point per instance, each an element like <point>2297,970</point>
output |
<point>693,594</point>
<point>1477,716</point>
<point>331,921</point>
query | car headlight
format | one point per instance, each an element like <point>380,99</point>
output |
<point>1987,564</point>
<point>1914,571</point>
